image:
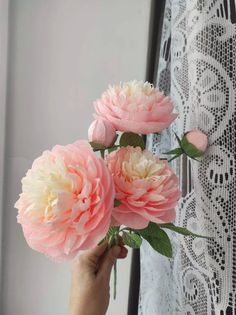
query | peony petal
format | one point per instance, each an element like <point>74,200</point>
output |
<point>130,219</point>
<point>141,127</point>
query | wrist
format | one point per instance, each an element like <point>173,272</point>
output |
<point>79,309</point>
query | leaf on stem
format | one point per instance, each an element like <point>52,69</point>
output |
<point>111,149</point>
<point>178,139</point>
<point>102,152</point>
<point>132,240</point>
<point>113,230</point>
<point>190,149</point>
<point>132,139</point>
<point>173,158</point>
<point>113,235</point>
<point>97,146</point>
<point>180,230</point>
<point>177,151</point>
<point>157,238</point>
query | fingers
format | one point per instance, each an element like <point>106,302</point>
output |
<point>97,252</point>
<point>100,259</point>
<point>89,260</point>
<point>108,261</point>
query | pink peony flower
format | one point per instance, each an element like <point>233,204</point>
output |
<point>146,187</point>
<point>198,139</point>
<point>102,131</point>
<point>66,201</point>
<point>136,107</point>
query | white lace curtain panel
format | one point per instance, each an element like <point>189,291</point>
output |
<point>197,67</point>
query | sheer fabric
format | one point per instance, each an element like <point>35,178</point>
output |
<point>197,67</point>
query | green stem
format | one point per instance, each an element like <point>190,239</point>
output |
<point>115,279</point>
<point>114,240</point>
<point>102,153</point>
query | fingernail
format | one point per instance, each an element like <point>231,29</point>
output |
<point>116,251</point>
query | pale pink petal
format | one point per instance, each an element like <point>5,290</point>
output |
<point>141,127</point>
<point>131,219</point>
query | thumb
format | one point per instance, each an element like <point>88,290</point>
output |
<point>108,261</point>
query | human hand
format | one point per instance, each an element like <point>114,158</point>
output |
<point>89,294</point>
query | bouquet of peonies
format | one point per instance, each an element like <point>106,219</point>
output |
<point>71,199</point>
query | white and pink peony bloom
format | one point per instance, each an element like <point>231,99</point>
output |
<point>66,201</point>
<point>146,187</point>
<point>136,107</point>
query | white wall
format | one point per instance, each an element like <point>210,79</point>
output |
<point>3,73</point>
<point>62,55</point>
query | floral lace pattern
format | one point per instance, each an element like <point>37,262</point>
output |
<point>197,68</point>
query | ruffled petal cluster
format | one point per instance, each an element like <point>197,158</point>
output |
<point>146,187</point>
<point>66,201</point>
<point>136,107</point>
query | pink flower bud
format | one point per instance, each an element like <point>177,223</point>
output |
<point>198,139</point>
<point>102,131</point>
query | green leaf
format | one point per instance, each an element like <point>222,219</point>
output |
<point>132,240</point>
<point>178,139</point>
<point>173,158</point>
<point>111,240</point>
<point>190,149</point>
<point>180,230</point>
<point>114,140</point>
<point>111,149</point>
<point>112,235</point>
<point>158,239</point>
<point>117,203</point>
<point>102,152</point>
<point>113,230</point>
<point>132,139</point>
<point>177,151</point>
<point>152,230</point>
<point>97,146</point>
<point>161,243</point>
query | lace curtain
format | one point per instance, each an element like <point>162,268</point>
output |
<point>197,67</point>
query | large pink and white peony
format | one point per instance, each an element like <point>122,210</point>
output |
<point>66,201</point>
<point>136,107</point>
<point>146,187</point>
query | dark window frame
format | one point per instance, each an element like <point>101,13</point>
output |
<point>154,40</point>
